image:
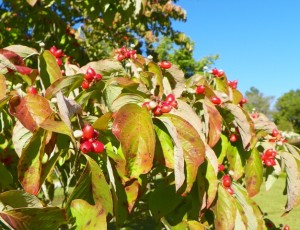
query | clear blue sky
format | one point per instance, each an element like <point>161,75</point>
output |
<point>258,41</point>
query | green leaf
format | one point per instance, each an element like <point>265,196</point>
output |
<point>19,199</point>
<point>92,187</point>
<point>134,129</point>
<point>186,139</point>
<point>102,122</point>
<point>293,180</point>
<point>29,166</point>
<point>33,218</point>
<point>191,225</point>
<point>225,210</point>
<point>166,145</point>
<point>21,137</point>
<point>56,126</point>
<point>88,216</point>
<point>6,181</point>
<point>124,99</point>
<point>249,211</point>
<point>235,160</point>
<point>111,93</point>
<point>154,68</point>
<point>49,69</point>
<point>31,110</point>
<point>163,200</point>
<point>64,84</point>
<point>253,173</point>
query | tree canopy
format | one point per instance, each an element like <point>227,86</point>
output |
<point>258,101</point>
<point>89,30</point>
<point>287,114</point>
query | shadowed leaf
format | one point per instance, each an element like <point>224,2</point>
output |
<point>2,87</point>
<point>154,68</point>
<point>21,137</point>
<point>33,218</point>
<point>102,122</point>
<point>19,199</point>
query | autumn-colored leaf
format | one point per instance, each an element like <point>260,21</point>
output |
<point>154,68</point>
<point>293,180</point>
<point>102,122</point>
<point>186,139</point>
<point>214,121</point>
<point>2,87</point>
<point>30,165</point>
<point>253,173</point>
<point>176,79</point>
<point>88,216</point>
<point>22,51</point>
<point>94,180</point>
<point>134,129</point>
<point>132,191</point>
<point>126,98</point>
<point>225,210</point>
<point>33,218</point>
<point>243,122</point>
<point>19,199</point>
<point>21,137</point>
<point>31,110</point>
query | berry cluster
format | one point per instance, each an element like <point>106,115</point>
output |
<point>163,106</point>
<point>165,64</point>
<point>217,73</point>
<point>124,53</point>
<point>89,141</point>
<point>90,77</point>
<point>226,182</point>
<point>58,54</point>
<point>268,157</point>
<point>277,137</point>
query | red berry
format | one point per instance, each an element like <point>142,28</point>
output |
<point>270,153</point>
<point>121,57</point>
<point>226,181</point>
<point>216,100</point>
<point>59,61</point>
<point>170,98</point>
<point>275,132</point>
<point>233,84</point>
<point>243,101</point>
<point>53,50</point>
<point>85,84</point>
<point>88,132</point>
<point>166,108</point>
<point>98,146</point>
<point>174,104</point>
<point>269,162</point>
<point>157,111</point>
<point>286,227</point>
<point>233,137</point>
<point>89,75</point>
<point>32,90</point>
<point>200,89</point>
<point>165,65</point>
<point>58,53</point>
<point>98,77</point>
<point>221,168</point>
<point>214,71</point>
<point>86,147</point>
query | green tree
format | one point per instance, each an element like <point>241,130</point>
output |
<point>287,114</point>
<point>258,101</point>
<point>88,30</point>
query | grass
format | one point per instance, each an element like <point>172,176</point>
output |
<point>273,202</point>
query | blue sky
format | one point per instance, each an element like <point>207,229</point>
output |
<point>258,41</point>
